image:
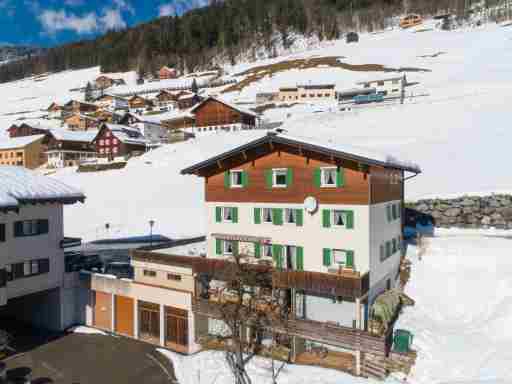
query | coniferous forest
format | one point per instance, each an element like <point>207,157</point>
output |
<point>223,31</point>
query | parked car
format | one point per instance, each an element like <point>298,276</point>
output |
<point>352,37</point>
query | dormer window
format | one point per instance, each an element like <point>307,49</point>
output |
<point>329,176</point>
<point>279,179</point>
<point>237,179</point>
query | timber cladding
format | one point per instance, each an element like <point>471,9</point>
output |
<point>355,190</point>
<point>213,112</point>
<point>124,311</point>
<point>386,185</point>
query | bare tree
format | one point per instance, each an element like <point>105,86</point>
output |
<point>251,310</point>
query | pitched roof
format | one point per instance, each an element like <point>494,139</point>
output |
<point>125,134</point>
<point>20,142</point>
<point>229,105</point>
<point>151,119</point>
<point>336,150</point>
<point>21,186</point>
<point>65,135</point>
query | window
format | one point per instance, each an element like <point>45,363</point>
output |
<point>2,233</point>
<point>107,142</point>
<point>228,247</point>
<point>148,273</point>
<point>329,177</point>
<point>382,252</point>
<point>227,213</point>
<point>339,218</point>
<point>31,228</point>
<point>27,269</point>
<point>290,254</point>
<point>267,215</point>
<point>339,256</point>
<point>291,216</point>
<point>279,178</point>
<point>102,151</point>
<point>34,267</point>
<point>102,142</point>
<point>114,141</point>
<point>236,179</point>
<point>267,250</point>
<point>173,277</point>
<point>394,213</point>
<point>115,149</point>
<point>394,246</point>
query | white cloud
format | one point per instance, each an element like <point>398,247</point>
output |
<point>112,19</point>
<point>124,5</point>
<point>166,10</point>
<point>55,21</point>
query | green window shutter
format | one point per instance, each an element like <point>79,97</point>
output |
<point>299,213</point>
<point>388,212</point>
<point>340,177</point>
<point>350,259</point>
<point>257,250</point>
<point>326,218</point>
<point>327,257</point>
<point>317,177</point>
<point>227,179</point>
<point>300,259</point>
<point>218,214</point>
<point>257,215</point>
<point>350,220</point>
<point>218,246</point>
<point>277,216</point>
<point>235,248</point>
<point>235,214</point>
<point>289,177</point>
<point>245,179</point>
<point>268,178</point>
<point>277,253</point>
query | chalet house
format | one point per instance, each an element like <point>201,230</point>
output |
<point>322,221</point>
<point>307,93</point>
<point>111,102</point>
<point>166,98</point>
<point>69,149</point>
<point>104,82</point>
<point>167,73</point>
<point>75,107</point>
<point>139,104</point>
<point>187,100</point>
<point>32,285</point>
<point>54,111</point>
<point>266,97</point>
<point>114,140</point>
<point>150,126</point>
<point>179,121</point>
<point>214,114</point>
<point>27,151</point>
<point>25,129</point>
<point>81,122</point>
<point>387,87</point>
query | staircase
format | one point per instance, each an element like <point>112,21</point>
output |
<point>374,367</point>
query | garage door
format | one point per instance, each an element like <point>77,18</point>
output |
<point>124,315</point>
<point>103,310</point>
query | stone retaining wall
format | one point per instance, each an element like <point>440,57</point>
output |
<point>469,211</point>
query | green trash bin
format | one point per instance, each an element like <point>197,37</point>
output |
<point>402,341</point>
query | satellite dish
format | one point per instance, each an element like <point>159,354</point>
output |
<point>310,204</point>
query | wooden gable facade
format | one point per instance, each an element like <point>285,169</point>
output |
<point>25,130</point>
<point>139,102</point>
<point>77,122</point>
<point>109,145</point>
<point>213,112</point>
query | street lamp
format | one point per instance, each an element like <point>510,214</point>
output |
<point>151,224</point>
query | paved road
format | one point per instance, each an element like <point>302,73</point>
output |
<point>95,359</point>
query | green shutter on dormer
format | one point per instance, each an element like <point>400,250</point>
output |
<point>218,214</point>
<point>227,179</point>
<point>340,177</point>
<point>289,177</point>
<point>317,177</point>
<point>268,178</point>
<point>257,215</point>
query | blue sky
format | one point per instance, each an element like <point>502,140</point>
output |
<point>50,22</point>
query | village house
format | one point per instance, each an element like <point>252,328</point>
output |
<point>150,126</point>
<point>167,99</point>
<point>103,82</point>
<point>75,107</point>
<point>214,114</point>
<point>178,121</point>
<point>139,104</point>
<point>326,219</point>
<point>166,73</point>
<point>68,148</point>
<point>266,97</point>
<point>111,102</point>
<point>32,288</point>
<point>187,100</point>
<point>81,122</point>
<point>26,129</point>
<point>54,111</point>
<point>114,140</point>
<point>26,151</point>
<point>387,87</point>
<point>308,93</point>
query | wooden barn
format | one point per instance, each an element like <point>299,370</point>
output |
<point>137,102</point>
<point>114,140</point>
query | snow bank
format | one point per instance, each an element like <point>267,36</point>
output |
<point>86,331</point>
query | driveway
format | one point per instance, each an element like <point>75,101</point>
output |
<point>96,359</point>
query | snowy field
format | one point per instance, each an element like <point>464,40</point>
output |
<point>461,320</point>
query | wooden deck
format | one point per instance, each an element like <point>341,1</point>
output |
<point>341,361</point>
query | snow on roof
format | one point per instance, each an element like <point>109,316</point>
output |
<point>65,135</point>
<point>152,119</point>
<point>19,142</point>
<point>20,185</point>
<point>127,135</point>
<point>235,107</point>
<point>42,124</point>
<point>373,80</point>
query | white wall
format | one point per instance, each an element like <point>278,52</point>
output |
<point>381,231</point>
<point>320,308</point>
<point>17,250</point>
<point>312,235</point>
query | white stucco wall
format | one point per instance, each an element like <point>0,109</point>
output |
<point>312,236</point>
<point>17,250</point>
<point>320,308</point>
<point>381,231</point>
